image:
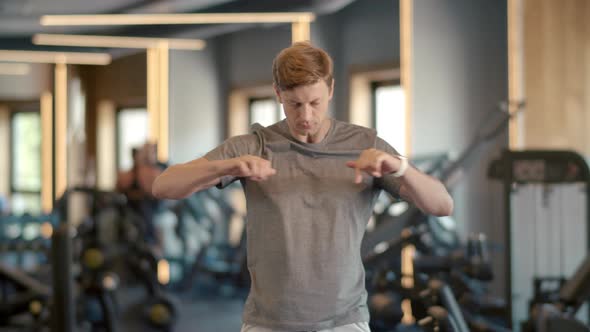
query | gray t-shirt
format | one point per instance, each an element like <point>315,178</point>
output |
<point>305,226</point>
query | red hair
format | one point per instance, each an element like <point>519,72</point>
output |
<point>301,64</point>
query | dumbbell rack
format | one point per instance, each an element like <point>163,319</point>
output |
<point>547,214</point>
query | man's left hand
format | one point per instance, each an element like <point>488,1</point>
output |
<point>375,163</point>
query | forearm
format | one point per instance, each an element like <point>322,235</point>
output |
<point>426,192</point>
<point>180,181</point>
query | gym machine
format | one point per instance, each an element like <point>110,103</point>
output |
<point>547,196</point>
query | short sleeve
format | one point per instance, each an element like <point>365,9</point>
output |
<point>389,183</point>
<point>232,148</point>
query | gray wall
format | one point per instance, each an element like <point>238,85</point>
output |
<point>251,53</point>
<point>365,32</point>
<point>369,32</point>
<point>194,104</point>
<point>460,74</point>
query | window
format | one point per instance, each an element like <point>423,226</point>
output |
<point>25,162</point>
<point>377,100</point>
<point>389,113</point>
<point>265,111</point>
<point>132,132</point>
<point>252,104</point>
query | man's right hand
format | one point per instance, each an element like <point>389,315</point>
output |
<point>251,167</point>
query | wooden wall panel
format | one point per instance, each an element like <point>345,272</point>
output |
<point>4,151</point>
<point>557,74</point>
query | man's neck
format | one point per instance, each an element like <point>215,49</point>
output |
<point>317,137</point>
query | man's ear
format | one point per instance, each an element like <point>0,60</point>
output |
<point>277,93</point>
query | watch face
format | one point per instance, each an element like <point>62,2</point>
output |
<point>402,167</point>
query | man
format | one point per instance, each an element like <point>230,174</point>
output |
<point>136,184</point>
<point>310,184</point>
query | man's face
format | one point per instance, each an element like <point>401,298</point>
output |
<point>306,108</point>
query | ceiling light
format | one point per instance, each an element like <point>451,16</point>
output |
<point>116,41</point>
<point>77,58</point>
<point>166,19</point>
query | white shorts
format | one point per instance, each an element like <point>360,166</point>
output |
<point>356,327</point>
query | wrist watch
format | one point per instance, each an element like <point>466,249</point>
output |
<point>403,167</point>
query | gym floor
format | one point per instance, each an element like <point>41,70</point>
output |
<point>207,314</point>
<point>221,315</point>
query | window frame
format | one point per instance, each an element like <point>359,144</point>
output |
<point>238,115</point>
<point>20,108</point>
<point>252,99</point>
<point>375,84</point>
<point>118,111</point>
<point>361,105</point>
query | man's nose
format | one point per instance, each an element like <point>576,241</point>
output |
<point>306,112</point>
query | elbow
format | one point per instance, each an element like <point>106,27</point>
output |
<point>157,190</point>
<point>444,208</point>
<point>441,206</point>
<point>161,188</point>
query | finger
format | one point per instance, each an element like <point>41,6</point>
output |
<point>378,167</point>
<point>379,164</point>
<point>358,176</point>
<point>244,170</point>
<point>351,164</point>
<point>371,168</point>
<point>254,168</point>
<point>262,163</point>
<point>268,166</point>
<point>266,172</point>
